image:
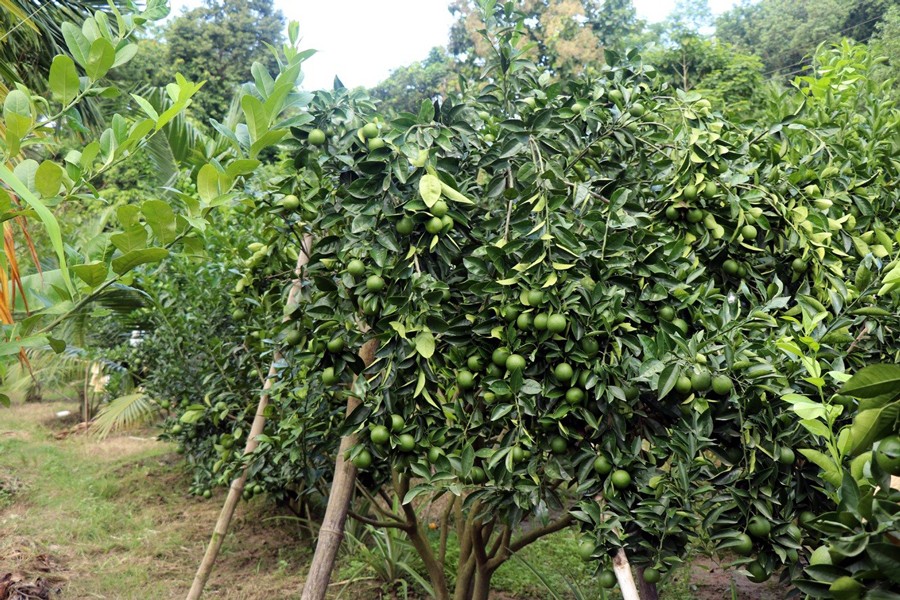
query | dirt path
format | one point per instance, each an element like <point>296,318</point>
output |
<point>113,519</point>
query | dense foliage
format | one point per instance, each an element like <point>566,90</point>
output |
<point>595,296</point>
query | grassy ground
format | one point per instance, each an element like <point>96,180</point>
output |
<point>113,520</point>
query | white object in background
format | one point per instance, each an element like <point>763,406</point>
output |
<point>63,414</point>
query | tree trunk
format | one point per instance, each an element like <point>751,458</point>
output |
<point>647,590</point>
<point>622,569</point>
<point>331,533</point>
<point>259,423</point>
<point>482,584</point>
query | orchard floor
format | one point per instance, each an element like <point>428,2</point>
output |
<point>83,519</point>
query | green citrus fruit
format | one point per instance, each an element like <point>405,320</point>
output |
<point>363,460</point>
<point>475,363</point>
<point>683,385</point>
<point>290,202</point>
<point>578,107</point>
<point>316,137</point>
<point>440,208</point>
<point>806,517</point>
<point>335,345</point>
<point>329,377</point>
<point>887,455</point>
<point>621,479</point>
<point>356,267</point>
<point>434,454</point>
<point>798,266</point>
<point>695,215</point>
<point>489,397</point>
<point>607,579</point>
<point>667,313</point>
<point>820,556</point>
<point>397,423</point>
<point>744,545</point>
<point>710,189</point>
<point>406,442</point>
<point>758,572</point>
<point>466,380</point>
<point>540,321</point>
<point>672,213</point>
<point>558,445</point>
<point>374,283</point>
<point>499,356</point>
<point>434,225</point>
<point>370,130</point>
<point>574,395</point>
<point>563,372</point>
<point>591,346</point>
<point>681,325</point>
<point>700,381</point>
<point>207,494</point>
<point>585,549</point>
<point>631,392</point>
<point>556,324</point>
<point>535,297</point>
<point>602,465</point>
<point>616,96</point>
<point>176,429</point>
<point>375,143</point>
<point>651,575</point>
<point>379,435</point>
<point>510,313</point>
<point>405,226</point>
<point>238,314</point>
<point>846,588</point>
<point>518,454</point>
<point>515,362</point>
<point>293,337</point>
<point>721,384</point>
<point>636,110</point>
<point>731,267</point>
<point>689,192</point>
<point>477,475</point>
<point>748,232</point>
<point>759,527</point>
<point>524,321</point>
<point>786,456</point>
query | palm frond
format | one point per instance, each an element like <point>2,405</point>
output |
<point>123,412</point>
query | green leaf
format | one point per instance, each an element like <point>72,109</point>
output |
<point>100,60</point>
<point>872,381</point>
<point>146,107</point>
<point>92,274</point>
<point>125,54</point>
<point>425,344</point>
<point>212,183</point>
<point>13,347</point>
<point>127,262</point>
<point>870,425</point>
<point>832,472</point>
<point>161,219</point>
<point>134,237</point>
<point>48,178</point>
<point>667,380</point>
<point>255,113</point>
<point>46,217</point>
<point>79,46</point>
<point>430,189</point>
<point>17,114</point>
<point>64,81</point>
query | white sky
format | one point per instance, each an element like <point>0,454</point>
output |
<point>362,40</point>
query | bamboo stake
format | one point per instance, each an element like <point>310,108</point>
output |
<point>622,569</point>
<point>331,533</point>
<point>259,423</point>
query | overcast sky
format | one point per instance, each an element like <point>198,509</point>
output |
<point>362,40</point>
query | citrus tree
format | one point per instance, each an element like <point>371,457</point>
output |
<point>589,302</point>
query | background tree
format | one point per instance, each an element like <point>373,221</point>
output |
<point>785,33</point>
<point>407,86</point>
<point>217,42</point>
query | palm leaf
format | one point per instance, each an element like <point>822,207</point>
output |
<point>123,412</point>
